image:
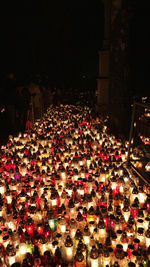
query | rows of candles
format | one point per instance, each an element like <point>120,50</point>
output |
<point>67,199</point>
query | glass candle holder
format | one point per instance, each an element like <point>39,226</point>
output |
<point>106,257</point>
<point>22,251</point>
<point>61,224</point>
<point>2,188</point>
<point>30,226</point>
<point>146,223</point>
<point>86,235</point>
<point>102,231</point>
<point>140,235</point>
<point>73,228</point>
<point>147,235</point>
<point>11,254</point>
<point>68,250</point>
<point>79,261</point>
<point>94,257</point>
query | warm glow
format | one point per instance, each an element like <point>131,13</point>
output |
<point>65,186</point>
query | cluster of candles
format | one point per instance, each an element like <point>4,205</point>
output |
<point>67,199</point>
<point>145,140</point>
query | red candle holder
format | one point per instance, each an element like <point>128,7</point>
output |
<point>40,229</point>
<point>134,211</point>
<point>30,226</point>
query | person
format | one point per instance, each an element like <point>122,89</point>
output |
<point>26,105</point>
<point>11,98</point>
<point>36,100</point>
<point>23,106</point>
<point>47,97</point>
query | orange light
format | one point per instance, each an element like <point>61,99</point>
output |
<point>139,165</point>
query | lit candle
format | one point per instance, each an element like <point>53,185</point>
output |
<point>91,214</point>
<point>91,227</point>
<point>147,234</point>
<point>2,188</point>
<point>62,225</point>
<point>80,261</point>
<point>68,249</point>
<point>22,252</point>
<point>124,241</point>
<point>86,235</point>
<point>30,226</point>
<point>94,257</point>
<point>102,235</point>
<point>11,260</point>
<point>40,228</point>
<point>142,198</point>
<point>73,228</point>
<point>11,253</point>
<point>106,257</point>
<point>140,235</point>
<point>43,245</point>
<point>146,223</point>
<point>52,221</point>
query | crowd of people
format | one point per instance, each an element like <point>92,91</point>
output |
<point>24,101</point>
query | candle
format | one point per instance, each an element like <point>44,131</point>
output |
<point>73,227</point>
<point>64,192</point>
<point>147,234</point>
<point>40,228</point>
<point>142,198</point>
<point>62,225</point>
<point>2,188</point>
<point>106,257</point>
<point>22,248</point>
<point>68,249</point>
<point>94,257</point>
<point>146,223</point>
<point>80,261</point>
<point>11,260</point>
<point>102,231</point>
<point>86,235</point>
<point>11,253</point>
<point>124,241</point>
<point>140,235</point>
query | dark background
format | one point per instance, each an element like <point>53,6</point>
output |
<point>140,49</point>
<point>62,39</point>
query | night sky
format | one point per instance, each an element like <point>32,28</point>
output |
<point>60,38</point>
<point>140,49</point>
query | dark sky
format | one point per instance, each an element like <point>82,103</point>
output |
<point>60,38</point>
<point>140,49</point>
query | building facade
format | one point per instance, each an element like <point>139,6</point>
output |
<point>113,81</point>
